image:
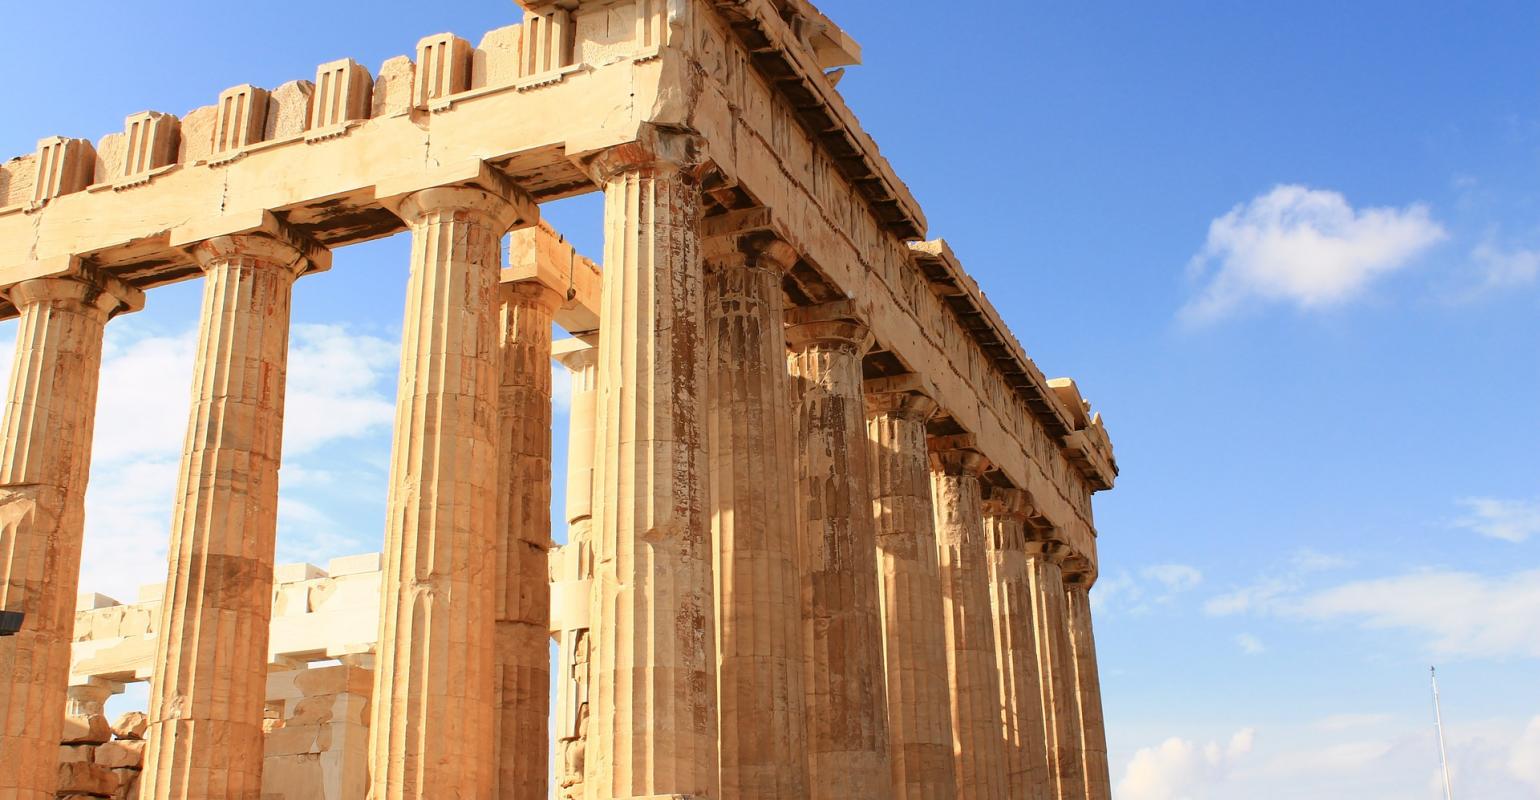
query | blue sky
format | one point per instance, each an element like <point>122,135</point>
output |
<point>1291,251</point>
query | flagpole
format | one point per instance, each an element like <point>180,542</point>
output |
<point>1438,721</point>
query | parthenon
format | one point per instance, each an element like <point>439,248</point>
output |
<point>829,529</point>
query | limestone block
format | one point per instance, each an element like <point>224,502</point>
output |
<point>83,777</point>
<point>604,36</point>
<point>91,729</point>
<point>294,739</point>
<point>196,145</point>
<point>496,60</point>
<point>121,753</point>
<point>288,110</point>
<point>131,725</point>
<point>547,41</point>
<point>393,87</point>
<point>128,784</point>
<point>294,573</point>
<point>16,178</point>
<point>295,777</point>
<point>443,67</point>
<point>242,118</point>
<point>64,166</point>
<point>69,753</point>
<point>344,92</point>
<point>353,565</point>
<point>152,142</point>
<point>111,151</point>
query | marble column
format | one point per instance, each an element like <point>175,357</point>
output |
<point>1082,643</point>
<point>913,631</point>
<point>972,669</point>
<point>841,613</point>
<point>45,459</point>
<point>209,684</point>
<point>761,702</point>
<point>431,721</point>
<point>1055,665</point>
<point>522,664</point>
<point>574,573</point>
<point>1026,752</point>
<point>653,726</point>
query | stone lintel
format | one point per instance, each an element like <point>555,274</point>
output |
<point>956,441</point>
<point>539,254</point>
<point>908,383</point>
<point>573,351</point>
<point>833,311</point>
<point>253,222</point>
<point>77,268</point>
<point>471,173</point>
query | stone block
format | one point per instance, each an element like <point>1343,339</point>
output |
<point>393,87</point>
<point>288,110</point>
<point>83,777</point>
<point>110,153</point>
<point>294,573</point>
<point>353,565</point>
<point>16,178</point>
<point>121,753</point>
<point>69,753</point>
<point>242,118</point>
<point>296,739</point>
<point>131,725</point>
<point>443,68</point>
<point>128,782</point>
<point>153,140</point>
<point>91,729</point>
<point>496,60</point>
<point>344,90</point>
<point>64,166</point>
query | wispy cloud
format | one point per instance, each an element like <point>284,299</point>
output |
<point>1182,768</point>
<point>1250,644</point>
<point>1305,247</point>
<point>1141,591</point>
<point>1508,520</point>
<point>1499,268</point>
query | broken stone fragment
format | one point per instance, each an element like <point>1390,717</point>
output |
<point>80,777</point>
<point>69,753</point>
<point>131,725</point>
<point>91,729</point>
<point>121,753</point>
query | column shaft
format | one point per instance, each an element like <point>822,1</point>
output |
<point>1055,666</point>
<point>971,663</point>
<point>1026,748</point>
<point>913,631</point>
<point>653,727</point>
<point>45,460</point>
<point>522,666</point>
<point>842,618</point>
<point>210,681</point>
<point>431,723</point>
<point>1088,689</point>
<point>761,702</point>
<point>575,572</point>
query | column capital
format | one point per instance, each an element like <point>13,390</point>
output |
<point>907,396</point>
<point>577,353</point>
<point>1037,544</point>
<point>84,284</point>
<point>473,188</point>
<point>828,324</point>
<point>533,294</point>
<point>955,456</point>
<point>259,235</point>
<point>1079,572</point>
<point>654,149</point>
<point>1010,503</point>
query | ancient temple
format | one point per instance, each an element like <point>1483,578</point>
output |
<point>830,528</point>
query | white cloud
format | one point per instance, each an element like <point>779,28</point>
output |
<point>1303,246</point>
<point>1259,596</point>
<point>1501,269</point>
<point>1250,645</point>
<point>1524,760</point>
<point>1509,520</point>
<point>1139,593</point>
<point>1459,614</point>
<point>1180,769</point>
<point>337,386</point>
<point>1342,722</point>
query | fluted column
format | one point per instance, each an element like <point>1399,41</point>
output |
<point>971,665</point>
<point>761,702</point>
<point>841,615</point>
<point>431,722</point>
<point>913,631</point>
<point>1055,665</point>
<point>522,664</point>
<point>653,726</point>
<point>1026,752</point>
<point>1082,642</point>
<point>574,573</point>
<point>45,459</point>
<point>209,684</point>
